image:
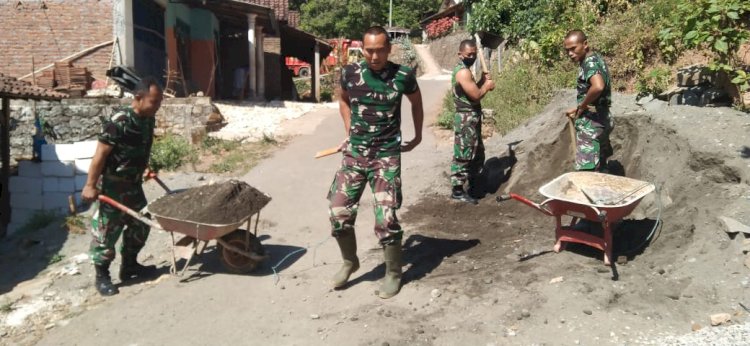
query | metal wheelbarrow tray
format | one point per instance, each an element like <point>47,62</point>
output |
<point>239,250</point>
<point>592,196</point>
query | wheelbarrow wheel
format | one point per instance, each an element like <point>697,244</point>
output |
<point>235,262</point>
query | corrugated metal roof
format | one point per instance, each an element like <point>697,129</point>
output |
<point>10,87</point>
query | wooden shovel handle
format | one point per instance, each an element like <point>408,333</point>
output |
<point>480,52</point>
<point>327,152</point>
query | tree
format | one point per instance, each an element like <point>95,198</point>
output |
<point>331,18</point>
<point>337,18</point>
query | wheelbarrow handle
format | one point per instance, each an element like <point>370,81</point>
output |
<point>126,210</point>
<point>152,175</point>
<point>541,207</point>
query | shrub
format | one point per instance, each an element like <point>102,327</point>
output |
<point>441,27</point>
<point>523,88</point>
<point>654,82</point>
<point>171,152</point>
<point>445,119</point>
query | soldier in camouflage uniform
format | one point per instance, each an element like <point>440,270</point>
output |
<point>121,158</point>
<point>468,149</point>
<point>370,105</point>
<point>592,119</point>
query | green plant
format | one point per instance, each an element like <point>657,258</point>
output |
<point>75,224</point>
<point>407,53</point>
<point>56,258</point>
<point>39,220</point>
<point>716,25</point>
<point>523,88</point>
<point>6,307</point>
<point>217,145</point>
<point>445,119</point>
<point>654,82</point>
<point>170,152</point>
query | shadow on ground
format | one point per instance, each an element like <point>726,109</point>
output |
<point>280,257</point>
<point>630,238</point>
<point>422,255</point>
<point>26,254</point>
<point>495,172</point>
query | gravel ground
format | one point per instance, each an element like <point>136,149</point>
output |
<point>250,121</point>
<point>737,334</point>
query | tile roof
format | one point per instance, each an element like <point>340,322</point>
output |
<point>280,7</point>
<point>11,87</point>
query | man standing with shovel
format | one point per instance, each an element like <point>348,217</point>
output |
<point>370,105</point>
<point>591,117</point>
<point>468,149</point>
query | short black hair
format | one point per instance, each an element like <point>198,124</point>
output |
<point>467,43</point>
<point>144,86</point>
<point>377,30</point>
<point>579,34</point>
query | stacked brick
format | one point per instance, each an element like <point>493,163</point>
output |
<point>47,185</point>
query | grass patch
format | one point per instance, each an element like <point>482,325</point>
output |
<point>523,88</point>
<point>238,157</point>
<point>56,258</point>
<point>171,152</point>
<point>39,220</point>
<point>6,307</point>
<point>75,224</point>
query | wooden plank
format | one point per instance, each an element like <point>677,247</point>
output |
<point>5,172</point>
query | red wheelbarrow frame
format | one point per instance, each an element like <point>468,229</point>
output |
<point>607,216</point>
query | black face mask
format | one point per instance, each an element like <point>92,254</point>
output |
<point>468,61</point>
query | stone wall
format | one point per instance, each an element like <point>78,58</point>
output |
<point>445,49</point>
<point>76,120</point>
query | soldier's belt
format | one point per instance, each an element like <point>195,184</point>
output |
<point>128,179</point>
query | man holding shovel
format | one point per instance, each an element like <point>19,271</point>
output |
<point>121,158</point>
<point>468,149</point>
<point>370,105</point>
<point>591,118</point>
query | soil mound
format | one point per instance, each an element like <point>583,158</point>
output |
<point>696,157</point>
<point>221,203</point>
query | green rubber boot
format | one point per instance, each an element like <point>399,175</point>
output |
<point>392,281</point>
<point>348,245</point>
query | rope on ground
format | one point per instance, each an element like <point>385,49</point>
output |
<point>315,251</point>
<point>658,220</point>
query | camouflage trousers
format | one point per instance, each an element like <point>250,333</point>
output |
<point>592,141</point>
<point>109,223</point>
<point>468,149</point>
<point>384,177</point>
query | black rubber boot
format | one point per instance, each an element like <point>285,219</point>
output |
<point>130,268</point>
<point>103,281</point>
<point>459,194</point>
<point>348,244</point>
<point>391,283</point>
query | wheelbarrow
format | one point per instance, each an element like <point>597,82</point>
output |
<point>592,196</point>
<point>239,250</point>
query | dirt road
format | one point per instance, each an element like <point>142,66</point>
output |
<point>474,275</point>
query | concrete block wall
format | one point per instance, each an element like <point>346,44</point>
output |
<point>47,185</point>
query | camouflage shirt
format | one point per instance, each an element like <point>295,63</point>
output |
<point>131,137</point>
<point>462,102</point>
<point>375,100</point>
<point>590,66</point>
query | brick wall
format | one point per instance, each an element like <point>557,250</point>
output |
<point>51,30</point>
